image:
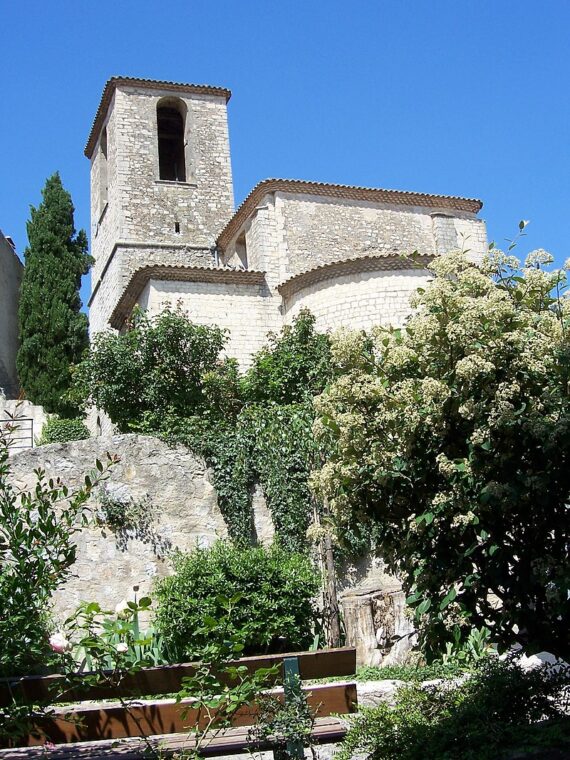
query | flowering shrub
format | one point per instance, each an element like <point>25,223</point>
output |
<point>451,437</point>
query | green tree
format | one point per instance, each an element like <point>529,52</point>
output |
<point>160,372</point>
<point>452,437</point>
<point>53,330</point>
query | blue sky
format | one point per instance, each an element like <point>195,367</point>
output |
<point>438,96</point>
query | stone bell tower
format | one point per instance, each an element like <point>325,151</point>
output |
<point>161,184</point>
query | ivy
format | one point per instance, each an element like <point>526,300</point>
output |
<point>165,377</point>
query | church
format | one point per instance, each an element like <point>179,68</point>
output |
<point>164,229</point>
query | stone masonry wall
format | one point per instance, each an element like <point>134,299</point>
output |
<point>175,488</point>
<point>143,209</point>
<point>180,511</point>
<point>11,271</point>
<point>248,312</point>
<point>150,206</point>
<point>358,301</point>
<point>125,261</point>
<point>323,230</point>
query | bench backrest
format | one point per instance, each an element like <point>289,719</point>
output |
<point>163,716</point>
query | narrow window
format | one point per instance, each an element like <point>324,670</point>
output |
<point>103,174</point>
<point>176,227</point>
<point>170,123</point>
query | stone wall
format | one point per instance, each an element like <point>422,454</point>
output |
<point>319,230</point>
<point>248,312</point>
<point>178,509</point>
<point>358,300</point>
<point>175,488</point>
<point>11,271</point>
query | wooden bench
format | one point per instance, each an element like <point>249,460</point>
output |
<point>110,730</point>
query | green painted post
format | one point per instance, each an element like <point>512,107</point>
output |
<point>292,687</point>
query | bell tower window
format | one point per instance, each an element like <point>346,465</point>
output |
<point>170,120</point>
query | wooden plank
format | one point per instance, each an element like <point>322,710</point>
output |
<point>166,679</point>
<point>167,717</point>
<point>227,742</point>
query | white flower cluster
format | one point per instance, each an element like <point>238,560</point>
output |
<point>473,367</point>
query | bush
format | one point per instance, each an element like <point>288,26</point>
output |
<point>57,430</point>
<point>37,551</point>
<point>498,710</point>
<point>276,607</point>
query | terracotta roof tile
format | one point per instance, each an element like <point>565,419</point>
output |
<point>348,192</point>
<point>114,82</point>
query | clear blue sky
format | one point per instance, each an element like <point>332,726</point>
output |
<point>452,96</point>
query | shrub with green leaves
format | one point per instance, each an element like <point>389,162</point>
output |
<point>58,430</point>
<point>276,591</point>
<point>497,711</point>
<point>37,552</point>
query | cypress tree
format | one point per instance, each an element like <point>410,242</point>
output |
<point>53,330</point>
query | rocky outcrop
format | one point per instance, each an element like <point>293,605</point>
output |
<point>167,487</point>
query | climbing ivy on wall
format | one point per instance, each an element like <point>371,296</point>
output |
<point>165,377</point>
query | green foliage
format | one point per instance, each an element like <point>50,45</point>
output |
<point>492,713</point>
<point>283,726</point>
<point>220,686</point>
<point>61,431</point>
<point>295,365</point>
<point>467,650</point>
<point>53,330</point>
<point>282,453</point>
<point>414,673</point>
<point>276,591</point>
<point>165,377</point>
<point>36,554</point>
<point>125,514</point>
<point>111,642</point>
<point>451,437</point>
<point>161,369</point>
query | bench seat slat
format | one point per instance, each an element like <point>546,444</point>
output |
<point>166,716</point>
<point>230,741</point>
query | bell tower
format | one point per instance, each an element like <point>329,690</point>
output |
<point>161,183</point>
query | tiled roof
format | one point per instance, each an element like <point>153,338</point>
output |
<point>114,82</point>
<point>389,261</point>
<point>177,273</point>
<point>348,192</point>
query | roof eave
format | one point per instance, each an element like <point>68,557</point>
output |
<point>141,277</point>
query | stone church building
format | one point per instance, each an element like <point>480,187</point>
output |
<point>164,229</point>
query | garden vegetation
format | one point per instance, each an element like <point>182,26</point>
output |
<point>451,437</point>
